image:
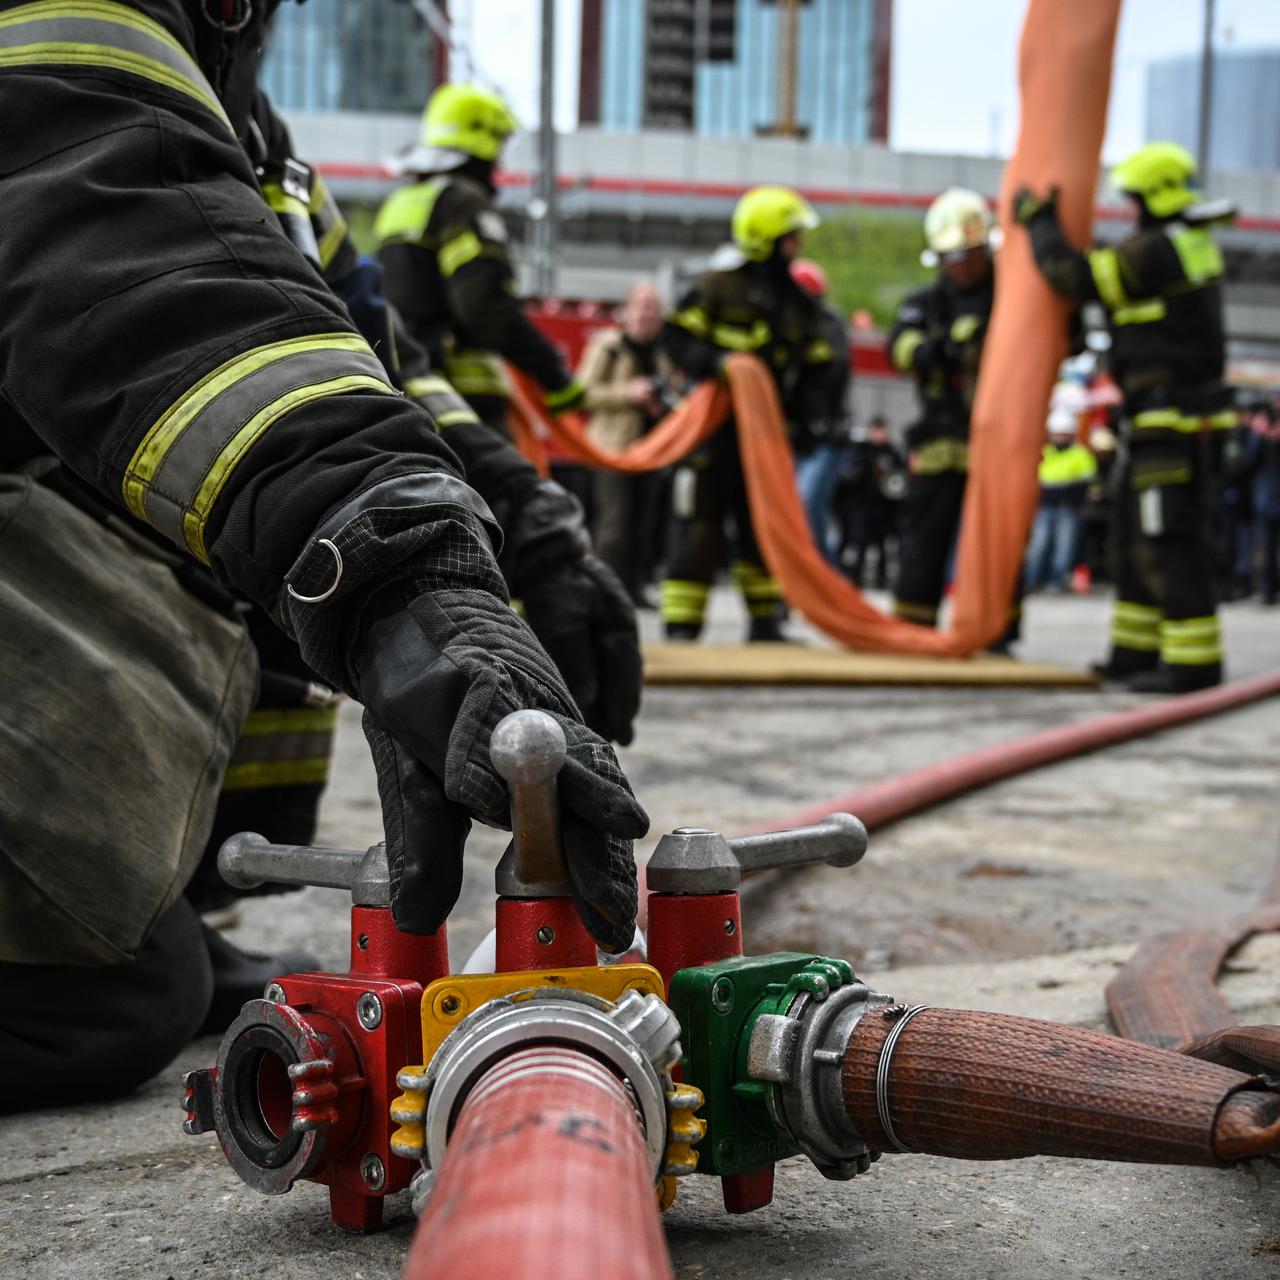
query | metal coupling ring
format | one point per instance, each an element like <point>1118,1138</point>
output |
<point>625,1036</point>
<point>800,1055</point>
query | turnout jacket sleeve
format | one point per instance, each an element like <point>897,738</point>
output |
<point>686,334</point>
<point>909,347</point>
<point>459,229</point>
<point>160,332</point>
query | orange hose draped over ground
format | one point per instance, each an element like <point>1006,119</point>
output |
<point>1065,75</point>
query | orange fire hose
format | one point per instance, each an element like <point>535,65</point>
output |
<point>1065,75</point>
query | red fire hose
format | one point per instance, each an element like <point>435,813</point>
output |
<point>545,1177</point>
<point>884,802</point>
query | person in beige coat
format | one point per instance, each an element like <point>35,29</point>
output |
<point>625,376</point>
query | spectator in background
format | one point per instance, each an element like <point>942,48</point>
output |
<point>873,482</point>
<point>626,377</point>
<point>1067,468</point>
<point>821,445</point>
<point>1262,454</point>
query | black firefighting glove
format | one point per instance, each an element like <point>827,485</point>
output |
<point>1029,207</point>
<point>418,629</point>
<point>577,607</point>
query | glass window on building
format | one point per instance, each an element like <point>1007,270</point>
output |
<point>336,55</point>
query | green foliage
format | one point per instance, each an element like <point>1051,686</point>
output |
<point>872,260</point>
<point>360,216</point>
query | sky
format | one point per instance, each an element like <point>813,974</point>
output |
<point>954,65</point>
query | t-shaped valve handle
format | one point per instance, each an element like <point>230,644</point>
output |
<point>528,749</point>
<point>696,860</point>
<point>247,860</point>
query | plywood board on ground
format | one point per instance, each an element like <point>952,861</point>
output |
<point>805,664</point>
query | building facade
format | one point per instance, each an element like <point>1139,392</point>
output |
<point>728,69</point>
<point>1246,106</point>
<point>333,55</point>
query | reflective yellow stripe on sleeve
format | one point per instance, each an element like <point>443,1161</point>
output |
<point>446,407</point>
<point>905,346</point>
<point>330,225</point>
<point>1105,267</point>
<point>735,337</point>
<point>103,34</point>
<point>182,464</point>
<point>693,319</point>
<point>456,253</point>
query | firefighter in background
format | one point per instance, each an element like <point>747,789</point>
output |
<point>445,253</point>
<point>1162,290</point>
<point>746,301</point>
<point>937,339</point>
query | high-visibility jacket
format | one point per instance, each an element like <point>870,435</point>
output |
<point>739,305</point>
<point>158,330</point>
<point>444,248</point>
<point>1162,290</point>
<point>1065,473</point>
<point>937,338</point>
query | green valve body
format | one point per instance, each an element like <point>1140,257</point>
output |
<point>718,1005</point>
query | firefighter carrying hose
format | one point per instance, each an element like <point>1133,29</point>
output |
<point>1162,290</point>
<point>746,301</point>
<point>446,254</point>
<point>937,339</point>
<point>192,414</point>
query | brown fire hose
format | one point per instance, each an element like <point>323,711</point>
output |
<point>985,1086</point>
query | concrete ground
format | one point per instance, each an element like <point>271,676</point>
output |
<point>1022,898</point>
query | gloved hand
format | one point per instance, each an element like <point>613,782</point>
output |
<point>576,606</point>
<point>397,599</point>
<point>1027,206</point>
<point>582,614</point>
<point>436,673</point>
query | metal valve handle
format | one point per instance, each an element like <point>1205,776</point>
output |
<point>697,860</point>
<point>528,749</point>
<point>839,840</point>
<point>248,860</point>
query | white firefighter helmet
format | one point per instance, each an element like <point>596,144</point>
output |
<point>957,220</point>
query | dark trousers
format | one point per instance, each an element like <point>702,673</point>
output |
<point>625,511</point>
<point>1166,607</point>
<point>70,1034</point>
<point>1266,537</point>
<point>711,522</point>
<point>278,771</point>
<point>928,526</point>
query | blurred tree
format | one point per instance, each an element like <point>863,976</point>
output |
<point>871,258</point>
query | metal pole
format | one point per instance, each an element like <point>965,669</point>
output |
<point>788,51</point>
<point>1205,120</point>
<point>548,225</point>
